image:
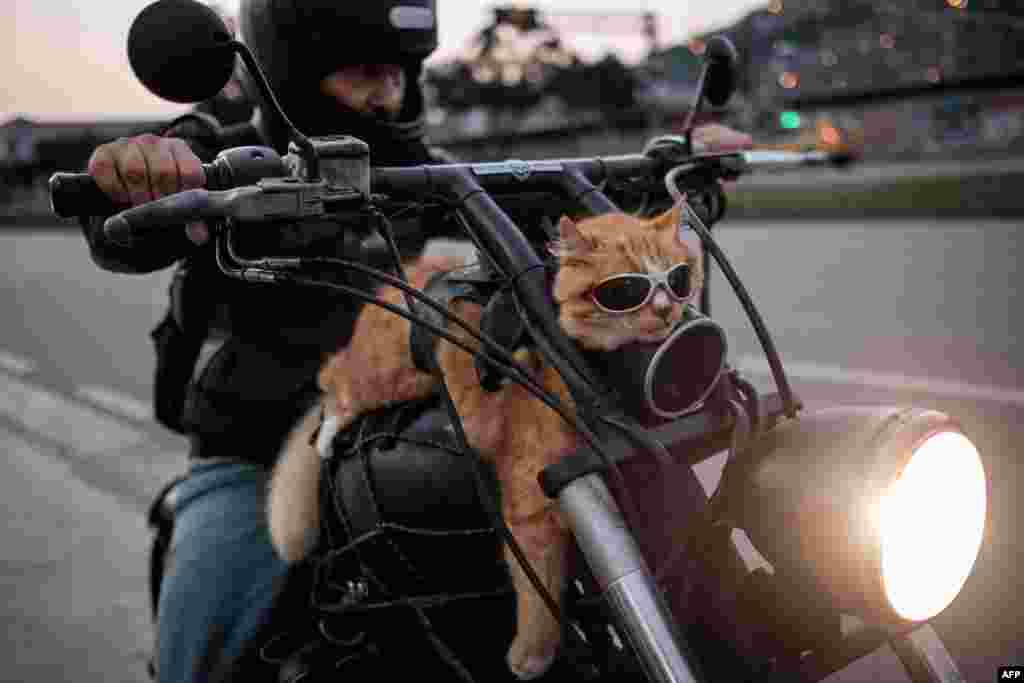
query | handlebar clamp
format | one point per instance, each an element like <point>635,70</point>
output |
<point>669,149</point>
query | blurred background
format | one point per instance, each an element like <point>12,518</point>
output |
<point>893,280</point>
<point>905,81</point>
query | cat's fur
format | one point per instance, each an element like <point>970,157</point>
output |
<point>517,433</point>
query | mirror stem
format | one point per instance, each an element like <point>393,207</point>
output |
<point>303,142</point>
<point>695,109</point>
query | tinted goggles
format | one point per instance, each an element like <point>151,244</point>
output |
<point>630,291</point>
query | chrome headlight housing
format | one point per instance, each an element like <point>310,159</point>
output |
<point>880,509</point>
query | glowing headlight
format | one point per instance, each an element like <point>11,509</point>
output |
<point>880,510</point>
<point>932,520</point>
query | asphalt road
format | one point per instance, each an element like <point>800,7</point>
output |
<point>880,311</point>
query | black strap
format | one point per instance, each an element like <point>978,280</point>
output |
<point>501,322</point>
<point>444,288</point>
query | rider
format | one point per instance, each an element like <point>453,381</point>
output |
<point>335,67</point>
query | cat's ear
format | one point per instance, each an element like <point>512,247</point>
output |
<point>670,219</point>
<point>674,220</point>
<point>570,242</point>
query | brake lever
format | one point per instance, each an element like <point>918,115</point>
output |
<point>271,199</point>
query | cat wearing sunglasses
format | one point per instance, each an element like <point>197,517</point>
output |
<point>619,279</point>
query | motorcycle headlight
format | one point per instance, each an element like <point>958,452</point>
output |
<point>931,522</point>
<point>881,509</point>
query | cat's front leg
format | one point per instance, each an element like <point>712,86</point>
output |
<point>536,438</point>
<point>521,436</point>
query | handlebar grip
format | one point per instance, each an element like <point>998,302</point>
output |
<point>77,194</point>
<point>162,216</point>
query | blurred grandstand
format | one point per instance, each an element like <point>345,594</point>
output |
<point>518,75</point>
<point>902,79</point>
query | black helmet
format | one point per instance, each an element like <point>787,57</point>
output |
<point>299,42</point>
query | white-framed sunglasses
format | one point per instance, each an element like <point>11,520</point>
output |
<point>630,291</point>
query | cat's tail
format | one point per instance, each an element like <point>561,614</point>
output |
<point>293,503</point>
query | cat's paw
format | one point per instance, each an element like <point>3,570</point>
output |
<point>529,660</point>
<point>538,633</point>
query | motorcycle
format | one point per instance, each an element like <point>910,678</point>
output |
<point>870,517</point>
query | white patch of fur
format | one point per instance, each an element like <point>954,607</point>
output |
<point>661,299</point>
<point>328,430</point>
<point>611,331</point>
<point>294,500</point>
<point>561,249</point>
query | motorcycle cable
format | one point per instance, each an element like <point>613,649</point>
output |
<point>483,492</point>
<point>590,407</point>
<point>270,270</point>
<point>591,400</point>
<point>514,372</point>
<point>760,329</point>
<point>710,516</point>
<point>262,273</point>
<point>265,271</point>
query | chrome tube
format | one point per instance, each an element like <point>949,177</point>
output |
<point>619,568</point>
<point>762,158</point>
<point>925,657</point>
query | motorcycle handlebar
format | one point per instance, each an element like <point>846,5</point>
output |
<point>77,194</point>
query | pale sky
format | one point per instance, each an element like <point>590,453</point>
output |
<point>65,59</point>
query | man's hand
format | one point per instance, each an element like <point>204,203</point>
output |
<point>146,167</point>
<point>714,137</point>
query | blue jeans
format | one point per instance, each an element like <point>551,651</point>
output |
<point>222,571</point>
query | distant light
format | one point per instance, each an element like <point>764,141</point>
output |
<point>484,74</point>
<point>887,40</point>
<point>957,4</point>
<point>789,79</point>
<point>830,135</point>
<point>511,74</point>
<point>789,120</point>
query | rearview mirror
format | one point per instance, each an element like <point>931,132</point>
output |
<point>722,60</point>
<point>181,50</point>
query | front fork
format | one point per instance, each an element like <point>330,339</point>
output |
<point>925,657</point>
<point>619,569</point>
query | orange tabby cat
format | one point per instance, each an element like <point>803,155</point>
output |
<point>516,432</point>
